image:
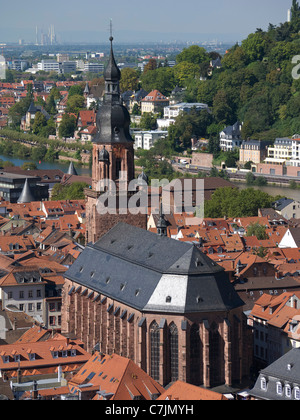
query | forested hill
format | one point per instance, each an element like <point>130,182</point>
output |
<point>254,85</point>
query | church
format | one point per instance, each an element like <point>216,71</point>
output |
<point>160,302</point>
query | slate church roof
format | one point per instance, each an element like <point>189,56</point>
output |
<point>152,273</point>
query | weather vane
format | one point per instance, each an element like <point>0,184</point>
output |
<point>111,31</point>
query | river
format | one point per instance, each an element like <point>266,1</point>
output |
<point>273,190</point>
<point>81,170</point>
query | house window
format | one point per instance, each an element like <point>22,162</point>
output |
<point>5,359</point>
<point>64,353</point>
<point>17,358</point>
<point>279,388</point>
<point>31,356</point>
<point>55,354</point>
<point>9,295</point>
<point>52,320</point>
<point>52,307</point>
<point>288,391</point>
<point>30,294</point>
<point>21,294</point>
<point>73,352</point>
<point>263,384</point>
<point>297,393</point>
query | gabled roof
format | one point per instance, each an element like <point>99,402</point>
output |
<point>44,354</point>
<point>115,378</point>
<point>155,96</point>
<point>181,391</point>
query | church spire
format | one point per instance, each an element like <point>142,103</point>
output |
<point>112,76</point>
<point>26,194</point>
<point>113,119</point>
<point>162,229</point>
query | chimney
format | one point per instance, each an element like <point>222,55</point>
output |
<point>35,392</point>
<point>19,376</point>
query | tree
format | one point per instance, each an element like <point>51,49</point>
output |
<point>222,110</point>
<point>39,122</point>
<point>136,110</point>
<point>38,153</point>
<point>51,105</point>
<point>76,90</point>
<point>9,77</point>
<point>28,166</point>
<point>193,54</point>
<point>295,10</point>
<point>74,191</point>
<point>51,154</point>
<point>232,202</point>
<point>250,178</point>
<point>161,79</point>
<point>129,79</point>
<point>67,126</point>
<point>185,71</point>
<point>194,123</point>
<point>258,230</point>
<point>148,121</point>
<point>150,66</point>
<point>255,46</point>
<point>75,103</point>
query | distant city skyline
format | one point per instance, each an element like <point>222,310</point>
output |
<point>136,20</point>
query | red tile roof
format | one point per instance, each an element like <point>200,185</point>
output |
<point>182,391</point>
<point>116,378</point>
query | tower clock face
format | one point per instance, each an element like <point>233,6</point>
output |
<point>118,150</point>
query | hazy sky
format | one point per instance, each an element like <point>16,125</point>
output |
<point>88,20</point>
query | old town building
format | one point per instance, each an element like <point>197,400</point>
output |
<point>160,302</point>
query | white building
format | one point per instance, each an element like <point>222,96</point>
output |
<point>295,161</point>
<point>49,65</point>
<point>282,149</point>
<point>164,124</point>
<point>26,291</point>
<point>230,137</point>
<point>146,139</point>
<point>93,67</point>
<point>291,239</point>
<point>172,111</point>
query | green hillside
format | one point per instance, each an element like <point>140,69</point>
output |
<point>254,85</point>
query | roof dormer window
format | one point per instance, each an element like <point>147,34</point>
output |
<point>5,359</point>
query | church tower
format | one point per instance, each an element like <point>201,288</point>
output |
<point>113,157</point>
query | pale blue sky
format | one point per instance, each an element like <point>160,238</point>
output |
<point>88,20</point>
